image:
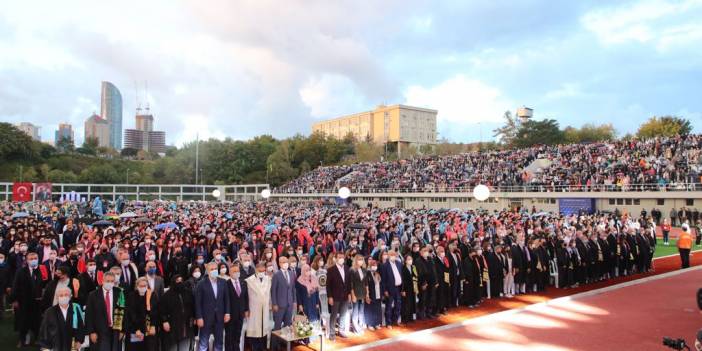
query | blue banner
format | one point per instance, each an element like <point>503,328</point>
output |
<point>576,205</point>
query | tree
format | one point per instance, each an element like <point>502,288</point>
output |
<point>90,147</point>
<point>65,144</point>
<point>128,152</point>
<point>666,126</point>
<point>508,131</point>
<point>589,133</point>
<point>15,144</point>
<point>280,168</point>
<point>539,132</point>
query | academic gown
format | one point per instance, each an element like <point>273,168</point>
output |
<point>58,333</point>
<point>259,323</point>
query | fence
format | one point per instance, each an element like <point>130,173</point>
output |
<point>146,192</point>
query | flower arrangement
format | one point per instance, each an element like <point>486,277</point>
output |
<point>302,329</point>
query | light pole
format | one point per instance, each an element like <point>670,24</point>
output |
<point>127,175</point>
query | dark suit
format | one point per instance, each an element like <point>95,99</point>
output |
<point>96,320</point>
<point>339,289</point>
<point>27,292</point>
<point>128,284</point>
<point>176,308</point>
<point>211,308</point>
<point>238,306</point>
<point>283,296</point>
<point>87,285</point>
<point>392,289</point>
<point>58,333</point>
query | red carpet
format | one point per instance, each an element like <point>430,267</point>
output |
<point>455,315</point>
<point>634,317</point>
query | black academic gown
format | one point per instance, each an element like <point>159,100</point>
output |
<point>58,333</point>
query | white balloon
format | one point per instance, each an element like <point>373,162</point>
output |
<point>344,192</point>
<point>481,192</point>
<point>216,193</point>
<point>265,193</point>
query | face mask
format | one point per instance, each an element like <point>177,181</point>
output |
<point>125,262</point>
<point>2,260</point>
<point>236,275</point>
<point>290,253</point>
<point>269,268</point>
<point>91,269</point>
<point>260,275</point>
<point>374,268</point>
<point>270,246</point>
<point>269,255</point>
<point>223,271</point>
<point>108,286</point>
<point>425,255</point>
<point>197,275</point>
<point>441,255</point>
<point>218,257</point>
<point>299,252</point>
<point>293,264</point>
<point>200,261</point>
<point>285,266</point>
<point>142,291</point>
<point>151,271</point>
<point>152,257</point>
<point>64,300</point>
<point>33,263</point>
<point>214,274</point>
<point>479,252</point>
<point>340,261</point>
<point>52,257</point>
<point>23,249</point>
<point>247,264</point>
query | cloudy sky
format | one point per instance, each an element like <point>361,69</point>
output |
<point>240,68</point>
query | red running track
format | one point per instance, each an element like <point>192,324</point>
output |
<point>631,316</point>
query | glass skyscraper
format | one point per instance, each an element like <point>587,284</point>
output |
<point>111,110</point>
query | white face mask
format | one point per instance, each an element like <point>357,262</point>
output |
<point>64,300</point>
<point>91,269</point>
<point>247,264</point>
<point>142,291</point>
<point>269,255</point>
<point>374,268</point>
<point>197,275</point>
<point>260,275</point>
<point>340,261</point>
<point>108,286</point>
<point>285,266</point>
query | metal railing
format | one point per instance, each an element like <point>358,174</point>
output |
<point>648,187</point>
<point>176,192</point>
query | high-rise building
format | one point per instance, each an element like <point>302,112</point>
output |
<point>98,128</point>
<point>30,129</point>
<point>111,111</point>
<point>65,130</point>
<point>144,137</point>
<point>145,122</point>
<point>404,125</point>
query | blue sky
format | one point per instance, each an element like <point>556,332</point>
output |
<point>243,68</point>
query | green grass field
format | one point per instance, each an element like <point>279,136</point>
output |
<point>672,249</point>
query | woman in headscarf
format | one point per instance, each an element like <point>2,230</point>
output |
<point>308,294</point>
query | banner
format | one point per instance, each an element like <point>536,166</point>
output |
<point>576,205</point>
<point>21,192</point>
<point>42,191</point>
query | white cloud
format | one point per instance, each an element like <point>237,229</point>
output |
<point>567,90</point>
<point>460,100</point>
<point>331,95</point>
<point>657,22</point>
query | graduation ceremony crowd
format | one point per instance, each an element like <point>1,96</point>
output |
<point>653,164</point>
<point>169,276</point>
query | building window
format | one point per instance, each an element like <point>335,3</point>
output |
<point>620,201</point>
<point>611,201</point>
<point>689,202</point>
<point>637,202</point>
<point>660,202</point>
<point>627,201</point>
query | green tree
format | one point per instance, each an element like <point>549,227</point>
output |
<point>90,147</point>
<point>589,133</point>
<point>59,176</point>
<point>538,132</point>
<point>279,165</point>
<point>15,144</point>
<point>666,126</point>
<point>128,152</point>
<point>65,144</point>
<point>508,132</point>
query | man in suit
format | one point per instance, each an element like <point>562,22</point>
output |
<point>211,308</point>
<point>283,294</point>
<point>238,309</point>
<point>104,313</point>
<point>391,274</point>
<point>129,273</point>
<point>89,281</point>
<point>339,294</point>
<point>62,326</point>
<point>155,282</point>
<point>246,269</point>
<point>26,298</point>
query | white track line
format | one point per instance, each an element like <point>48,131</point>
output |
<point>491,317</point>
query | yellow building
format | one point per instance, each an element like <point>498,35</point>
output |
<point>404,125</point>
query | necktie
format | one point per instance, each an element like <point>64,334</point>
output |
<point>237,288</point>
<point>107,307</point>
<point>126,275</point>
<point>287,279</point>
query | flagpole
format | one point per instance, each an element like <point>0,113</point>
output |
<point>197,154</point>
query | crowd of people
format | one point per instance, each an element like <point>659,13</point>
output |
<point>170,276</point>
<point>653,164</point>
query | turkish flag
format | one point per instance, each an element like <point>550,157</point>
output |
<point>22,192</point>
